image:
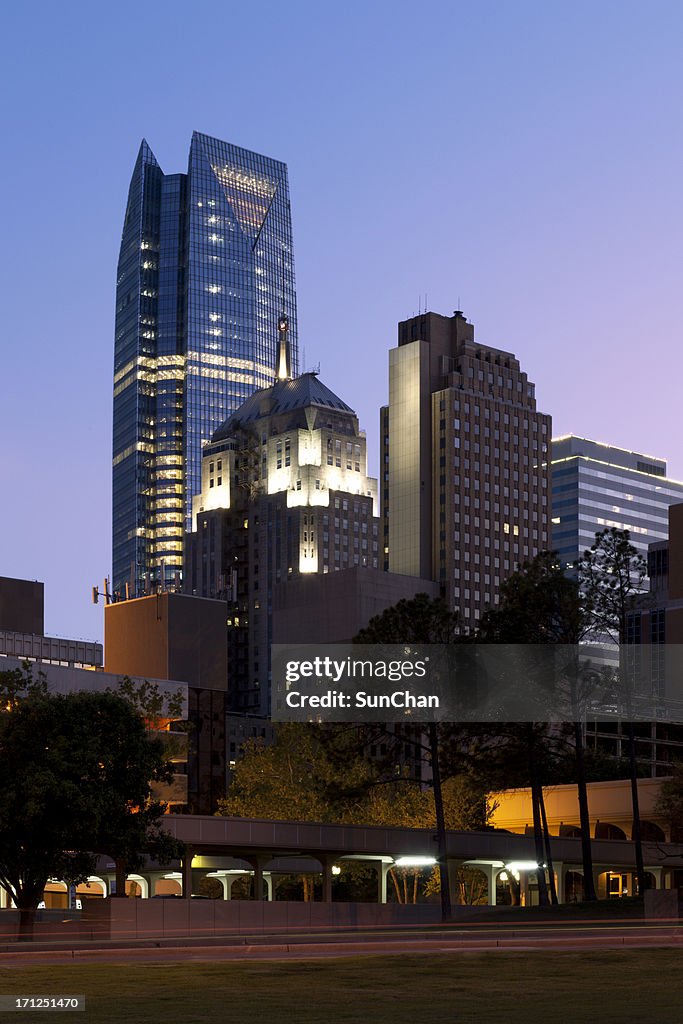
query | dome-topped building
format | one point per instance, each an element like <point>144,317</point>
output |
<point>285,492</point>
<point>301,395</point>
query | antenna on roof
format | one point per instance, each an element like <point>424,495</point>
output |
<point>283,370</point>
<point>284,357</point>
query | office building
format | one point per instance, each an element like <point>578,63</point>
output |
<point>334,608</point>
<point>181,639</point>
<point>205,270</point>
<point>22,630</point>
<point>654,664</point>
<point>660,618</point>
<point>22,605</point>
<point>285,492</point>
<point>75,666</point>
<point>596,486</point>
<point>466,481</point>
<point>656,625</point>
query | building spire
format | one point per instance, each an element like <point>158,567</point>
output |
<point>283,370</point>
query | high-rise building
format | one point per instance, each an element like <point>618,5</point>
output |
<point>655,624</point>
<point>175,637</point>
<point>205,269</point>
<point>466,481</point>
<point>285,492</point>
<point>596,486</point>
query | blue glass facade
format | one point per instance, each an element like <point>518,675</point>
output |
<point>596,486</point>
<point>206,266</point>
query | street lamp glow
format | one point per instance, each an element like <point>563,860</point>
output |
<point>415,862</point>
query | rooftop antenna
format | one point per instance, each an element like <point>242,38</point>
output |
<point>284,355</point>
<point>105,592</point>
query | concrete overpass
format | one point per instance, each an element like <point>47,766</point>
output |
<point>225,848</point>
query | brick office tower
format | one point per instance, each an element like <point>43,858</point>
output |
<point>466,487</point>
<point>285,493</point>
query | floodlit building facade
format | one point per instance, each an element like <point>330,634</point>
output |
<point>466,481</point>
<point>285,493</point>
<point>205,269</point>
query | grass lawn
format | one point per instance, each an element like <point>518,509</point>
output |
<point>606,987</point>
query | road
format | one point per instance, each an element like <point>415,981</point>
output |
<point>574,937</point>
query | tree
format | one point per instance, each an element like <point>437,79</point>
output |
<point>670,803</point>
<point>323,775</point>
<point>299,777</point>
<point>75,777</point>
<point>407,804</point>
<point>611,574</point>
<point>422,620</point>
<point>540,604</point>
<point>141,836</point>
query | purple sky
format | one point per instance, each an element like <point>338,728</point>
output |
<point>519,160</point>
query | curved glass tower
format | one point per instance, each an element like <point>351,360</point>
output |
<point>205,268</point>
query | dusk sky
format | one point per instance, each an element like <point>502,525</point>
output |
<point>520,161</point>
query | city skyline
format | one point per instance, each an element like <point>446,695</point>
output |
<point>505,182</point>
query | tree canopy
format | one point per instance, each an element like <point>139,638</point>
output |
<point>76,772</point>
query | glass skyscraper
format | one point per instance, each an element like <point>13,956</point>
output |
<point>205,268</point>
<point>596,486</point>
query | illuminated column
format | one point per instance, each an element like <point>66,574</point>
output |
<point>221,877</point>
<point>524,888</point>
<point>491,879</point>
<point>382,872</point>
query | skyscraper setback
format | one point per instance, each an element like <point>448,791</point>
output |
<point>206,267</point>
